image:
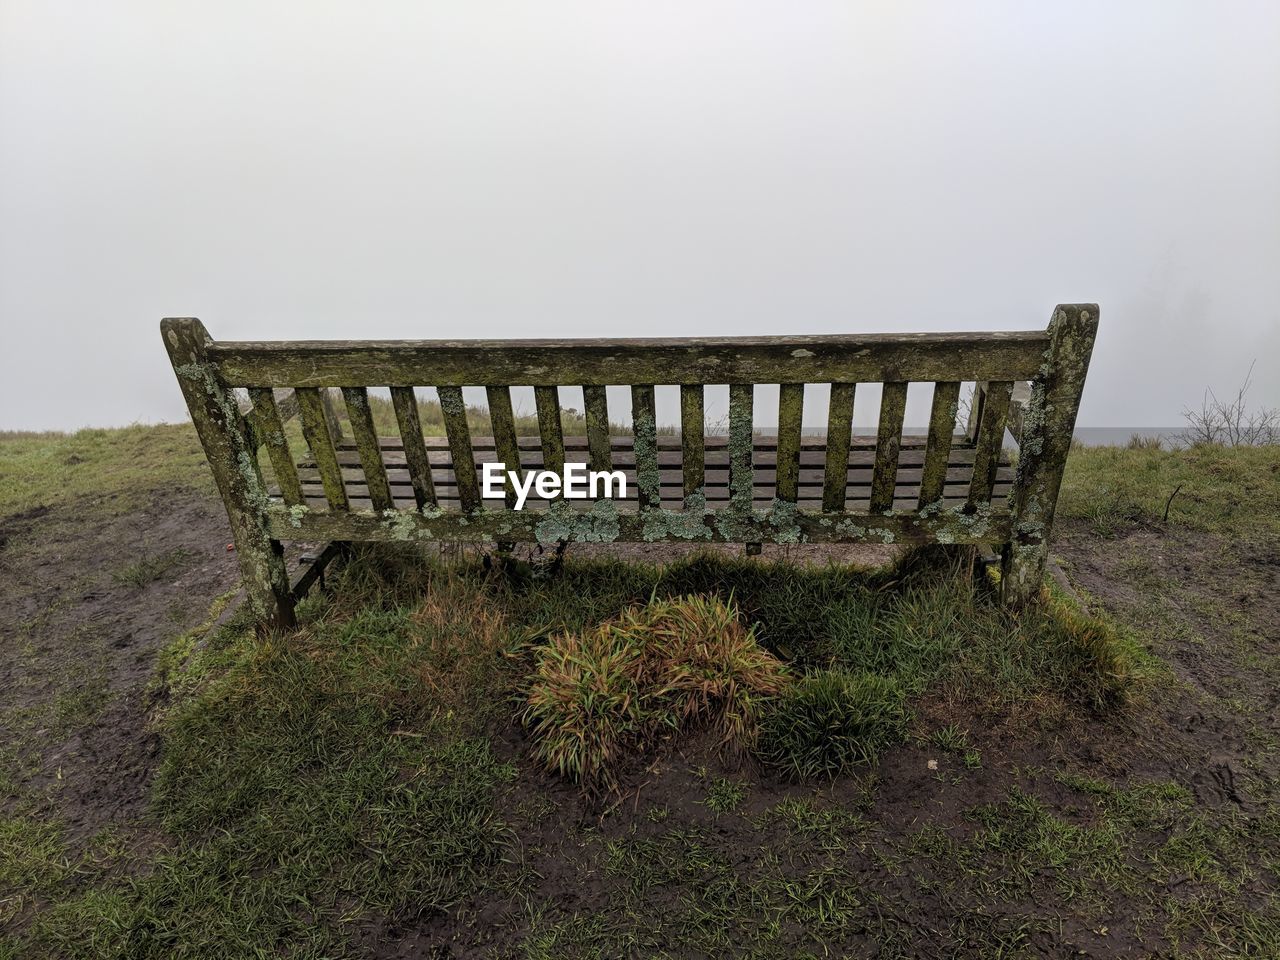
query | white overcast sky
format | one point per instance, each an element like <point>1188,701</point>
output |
<point>469,168</point>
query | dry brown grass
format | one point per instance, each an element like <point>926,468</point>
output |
<point>619,690</point>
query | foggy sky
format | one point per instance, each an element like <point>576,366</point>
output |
<point>312,170</point>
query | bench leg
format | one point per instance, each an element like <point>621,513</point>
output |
<point>1022,573</point>
<point>266,582</point>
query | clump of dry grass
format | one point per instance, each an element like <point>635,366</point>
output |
<point>617,691</point>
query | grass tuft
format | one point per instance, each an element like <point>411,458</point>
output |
<point>830,720</point>
<point>614,692</point>
<point>150,568</point>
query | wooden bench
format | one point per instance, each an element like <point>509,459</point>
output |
<point>948,486</point>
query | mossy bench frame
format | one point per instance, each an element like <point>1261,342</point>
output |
<point>949,488</point>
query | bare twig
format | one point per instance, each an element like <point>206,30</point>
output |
<point>1230,422</point>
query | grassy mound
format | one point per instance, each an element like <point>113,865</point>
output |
<point>611,693</point>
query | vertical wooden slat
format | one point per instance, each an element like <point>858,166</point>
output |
<point>937,451</point>
<point>839,427</point>
<point>415,451</point>
<point>693,456</point>
<point>986,454</point>
<point>315,428</point>
<point>741,442</point>
<point>454,408</point>
<point>893,405</point>
<point>976,402</point>
<point>790,418</point>
<point>547,401</point>
<point>505,444</point>
<point>331,416</point>
<point>366,437</point>
<point>271,433</point>
<point>596,402</point>
<point>645,429</point>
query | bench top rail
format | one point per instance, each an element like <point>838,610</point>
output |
<point>866,358</point>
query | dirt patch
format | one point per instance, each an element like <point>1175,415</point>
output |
<point>1210,609</point>
<point>80,645</point>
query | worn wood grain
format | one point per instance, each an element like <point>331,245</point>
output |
<point>760,526</point>
<point>809,359</point>
<point>315,429</point>
<point>595,401</point>
<point>893,405</point>
<point>506,445</point>
<point>1047,429</point>
<point>270,432</point>
<point>644,425</point>
<point>550,428</point>
<point>790,420</point>
<point>454,410</point>
<point>692,429</point>
<point>223,435</point>
<point>741,433</point>
<point>405,403</point>
<point>366,440</point>
<point>942,428</point>
<point>839,430</point>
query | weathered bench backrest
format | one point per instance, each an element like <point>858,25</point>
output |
<point>1054,361</point>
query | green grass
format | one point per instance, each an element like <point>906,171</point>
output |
<point>725,795</point>
<point>110,471</point>
<point>831,720</point>
<point>346,771</point>
<point>1224,490</point>
<point>360,774</point>
<point>293,799</point>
